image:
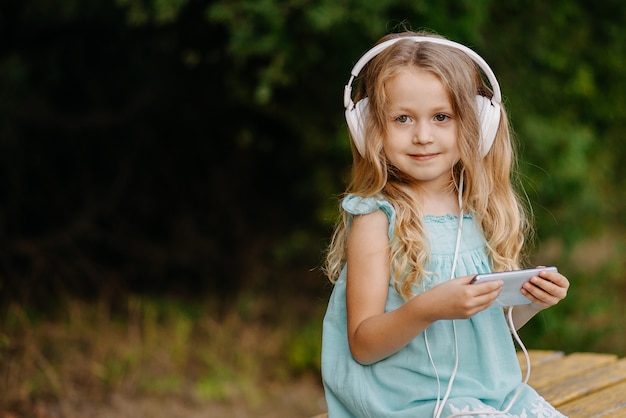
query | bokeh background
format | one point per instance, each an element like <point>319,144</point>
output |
<point>170,173</point>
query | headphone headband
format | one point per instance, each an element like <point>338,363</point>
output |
<point>367,57</point>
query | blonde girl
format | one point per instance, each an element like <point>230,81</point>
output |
<point>431,204</point>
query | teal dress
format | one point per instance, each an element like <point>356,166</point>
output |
<point>407,384</point>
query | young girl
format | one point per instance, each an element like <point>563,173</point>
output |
<point>430,205</point>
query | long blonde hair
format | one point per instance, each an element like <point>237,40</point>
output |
<point>488,194</point>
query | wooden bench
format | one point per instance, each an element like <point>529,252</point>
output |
<point>580,385</point>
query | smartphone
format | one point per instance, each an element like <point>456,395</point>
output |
<point>513,281</point>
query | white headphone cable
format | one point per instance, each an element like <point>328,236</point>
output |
<point>432,362</point>
<point>439,406</point>
<point>442,402</point>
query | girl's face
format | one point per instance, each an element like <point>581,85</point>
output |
<point>421,128</point>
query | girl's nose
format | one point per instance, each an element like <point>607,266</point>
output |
<point>422,133</point>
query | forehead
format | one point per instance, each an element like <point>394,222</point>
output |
<point>413,85</point>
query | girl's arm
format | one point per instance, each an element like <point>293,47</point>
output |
<point>545,290</point>
<point>373,334</point>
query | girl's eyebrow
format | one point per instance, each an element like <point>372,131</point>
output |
<point>438,109</point>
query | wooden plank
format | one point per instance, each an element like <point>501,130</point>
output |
<point>583,384</point>
<point>547,374</point>
<point>537,357</point>
<point>609,402</point>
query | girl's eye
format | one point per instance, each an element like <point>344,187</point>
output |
<point>402,119</point>
<point>441,117</point>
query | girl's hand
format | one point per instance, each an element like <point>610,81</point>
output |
<point>547,289</point>
<point>458,299</point>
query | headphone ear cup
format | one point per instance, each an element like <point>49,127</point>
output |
<point>355,118</point>
<point>489,115</point>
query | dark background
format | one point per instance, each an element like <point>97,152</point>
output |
<point>133,159</point>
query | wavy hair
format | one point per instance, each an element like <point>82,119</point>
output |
<point>489,191</point>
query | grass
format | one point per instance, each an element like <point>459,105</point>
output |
<point>155,349</point>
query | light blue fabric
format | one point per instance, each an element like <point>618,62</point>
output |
<point>405,384</point>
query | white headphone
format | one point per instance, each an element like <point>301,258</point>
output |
<point>488,109</point>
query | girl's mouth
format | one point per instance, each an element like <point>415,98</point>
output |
<point>423,157</point>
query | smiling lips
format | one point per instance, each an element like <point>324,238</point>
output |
<point>423,157</point>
